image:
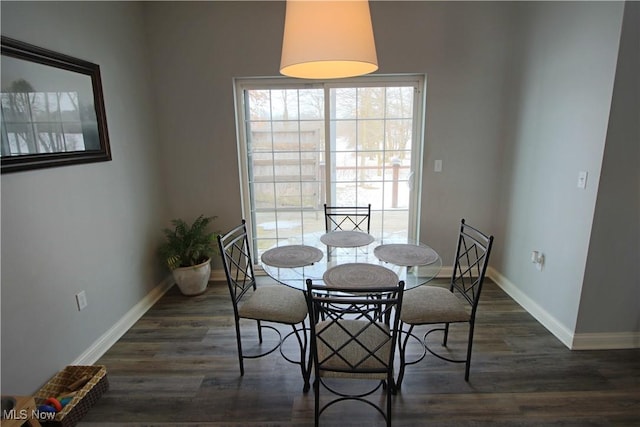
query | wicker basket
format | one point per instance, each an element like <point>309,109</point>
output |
<point>84,398</point>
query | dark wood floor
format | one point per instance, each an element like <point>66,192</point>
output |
<point>178,367</point>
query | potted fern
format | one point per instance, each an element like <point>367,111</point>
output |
<point>187,251</point>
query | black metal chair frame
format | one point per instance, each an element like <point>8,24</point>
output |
<point>350,218</point>
<point>331,308</point>
<point>471,261</point>
<point>236,255</point>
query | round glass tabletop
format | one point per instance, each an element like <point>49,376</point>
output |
<point>392,258</point>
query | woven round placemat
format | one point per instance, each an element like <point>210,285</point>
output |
<point>405,254</point>
<point>291,256</point>
<point>346,239</point>
<point>359,275</point>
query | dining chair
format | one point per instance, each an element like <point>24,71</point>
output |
<point>428,305</point>
<point>353,337</point>
<point>277,304</point>
<point>348,218</point>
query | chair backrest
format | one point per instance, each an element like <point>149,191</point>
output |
<point>348,218</point>
<point>472,258</point>
<point>354,333</point>
<point>236,258</point>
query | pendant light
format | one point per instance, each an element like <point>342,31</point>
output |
<point>328,39</point>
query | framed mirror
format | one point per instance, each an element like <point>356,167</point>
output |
<point>52,109</point>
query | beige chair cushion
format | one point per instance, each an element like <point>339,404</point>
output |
<point>431,304</point>
<point>278,303</point>
<point>331,336</point>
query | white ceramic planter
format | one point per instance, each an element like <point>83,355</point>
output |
<point>193,280</point>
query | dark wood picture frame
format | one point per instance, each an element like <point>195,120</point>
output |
<point>52,109</point>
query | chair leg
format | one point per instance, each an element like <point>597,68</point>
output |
<point>316,410</point>
<point>239,342</point>
<point>446,334</point>
<point>402,347</point>
<point>389,392</point>
<point>469,344</point>
<point>305,366</point>
<point>259,331</point>
<point>309,368</point>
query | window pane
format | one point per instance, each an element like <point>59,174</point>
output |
<point>286,166</point>
<point>288,195</point>
<point>345,135</point>
<point>264,196</point>
<point>314,225</point>
<point>396,194</point>
<point>259,103</point>
<point>398,134</point>
<point>371,103</point>
<point>344,103</point>
<point>286,136</point>
<point>262,167</point>
<point>399,102</point>
<point>311,104</point>
<point>312,136</point>
<point>371,134</point>
<point>345,194</point>
<point>289,227</point>
<point>284,104</point>
<point>259,137</point>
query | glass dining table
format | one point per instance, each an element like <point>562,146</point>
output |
<point>350,257</point>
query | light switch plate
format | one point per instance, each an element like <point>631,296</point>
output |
<point>81,300</point>
<point>582,179</point>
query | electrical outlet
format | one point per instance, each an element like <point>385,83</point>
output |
<point>81,299</point>
<point>437,166</point>
<point>537,258</point>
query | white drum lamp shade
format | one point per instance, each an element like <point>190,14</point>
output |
<point>328,39</point>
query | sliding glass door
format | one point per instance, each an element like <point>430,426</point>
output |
<point>343,143</point>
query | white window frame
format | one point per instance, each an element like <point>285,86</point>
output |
<point>240,85</point>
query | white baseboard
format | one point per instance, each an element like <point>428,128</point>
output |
<point>574,341</point>
<point>109,338</point>
<point>606,341</point>
<point>540,314</point>
<point>218,275</point>
<point>445,272</point>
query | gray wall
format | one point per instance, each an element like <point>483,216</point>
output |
<point>612,276</point>
<point>196,48</point>
<point>518,98</point>
<point>462,49</point>
<point>87,227</point>
<point>563,72</point>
